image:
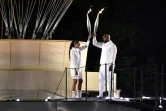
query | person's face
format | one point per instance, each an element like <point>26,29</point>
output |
<point>106,38</point>
<point>77,45</point>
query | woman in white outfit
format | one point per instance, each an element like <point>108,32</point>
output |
<point>75,65</point>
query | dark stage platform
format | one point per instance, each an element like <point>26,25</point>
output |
<point>77,104</point>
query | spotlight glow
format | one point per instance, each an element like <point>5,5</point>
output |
<point>48,97</point>
<point>143,97</point>
<point>121,97</point>
<point>18,100</point>
<point>160,106</point>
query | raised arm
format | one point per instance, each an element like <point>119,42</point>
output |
<point>86,45</point>
<point>95,43</point>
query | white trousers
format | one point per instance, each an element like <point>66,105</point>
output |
<point>102,72</point>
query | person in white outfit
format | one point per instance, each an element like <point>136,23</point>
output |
<point>108,56</point>
<point>75,66</point>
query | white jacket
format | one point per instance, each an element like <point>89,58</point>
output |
<point>109,51</point>
<point>75,56</point>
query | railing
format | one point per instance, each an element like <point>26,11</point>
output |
<point>143,83</point>
<point>136,84</point>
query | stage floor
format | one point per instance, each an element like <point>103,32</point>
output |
<point>79,104</point>
<point>92,99</point>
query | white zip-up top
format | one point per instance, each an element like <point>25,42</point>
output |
<point>109,51</point>
<point>75,56</point>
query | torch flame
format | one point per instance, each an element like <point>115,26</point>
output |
<point>100,12</point>
<point>89,10</point>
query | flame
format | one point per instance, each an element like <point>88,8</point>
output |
<point>101,11</point>
<point>89,10</point>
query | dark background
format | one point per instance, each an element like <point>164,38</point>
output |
<point>135,26</point>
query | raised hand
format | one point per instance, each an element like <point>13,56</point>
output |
<point>94,35</point>
<point>89,37</point>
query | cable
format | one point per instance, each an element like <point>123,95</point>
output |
<point>52,19</point>
<point>59,84</point>
<point>57,22</point>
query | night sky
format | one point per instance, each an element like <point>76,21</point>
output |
<point>135,26</point>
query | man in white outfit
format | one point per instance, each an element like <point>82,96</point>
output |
<point>75,65</point>
<point>108,56</point>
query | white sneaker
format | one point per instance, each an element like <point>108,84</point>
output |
<point>79,94</point>
<point>108,97</point>
<point>73,94</point>
<point>99,96</point>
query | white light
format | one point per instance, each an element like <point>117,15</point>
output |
<point>160,102</point>
<point>160,106</point>
<point>127,99</point>
<point>148,97</point>
<point>143,97</point>
<point>18,100</point>
<point>121,97</point>
<point>46,99</point>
